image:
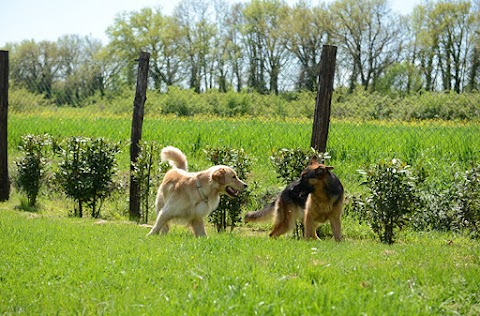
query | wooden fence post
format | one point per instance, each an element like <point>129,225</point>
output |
<point>4,179</point>
<point>321,119</point>
<point>137,123</point>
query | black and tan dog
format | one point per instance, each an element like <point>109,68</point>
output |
<point>316,197</point>
<point>287,207</point>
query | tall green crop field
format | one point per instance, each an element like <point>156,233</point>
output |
<point>440,147</point>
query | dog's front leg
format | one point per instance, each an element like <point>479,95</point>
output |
<point>160,223</point>
<point>336,224</point>
<point>309,225</point>
<point>198,227</point>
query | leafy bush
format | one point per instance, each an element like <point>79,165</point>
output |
<point>437,211</point>
<point>289,163</point>
<point>468,201</point>
<point>31,168</point>
<point>452,206</point>
<point>147,171</point>
<point>86,171</point>
<point>229,210</point>
<point>393,197</point>
<point>21,100</point>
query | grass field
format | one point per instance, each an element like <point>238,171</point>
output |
<point>54,264</point>
<point>442,148</point>
<point>58,265</point>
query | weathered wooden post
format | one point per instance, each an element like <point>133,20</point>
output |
<point>321,119</point>
<point>137,123</point>
<point>4,179</point>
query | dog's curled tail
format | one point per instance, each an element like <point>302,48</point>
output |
<point>175,157</point>
<point>264,214</point>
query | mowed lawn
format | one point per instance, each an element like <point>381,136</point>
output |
<point>59,265</point>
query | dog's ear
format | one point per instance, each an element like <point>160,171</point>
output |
<point>313,160</point>
<point>322,169</point>
<point>219,175</point>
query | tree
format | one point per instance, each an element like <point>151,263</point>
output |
<point>453,22</point>
<point>79,76</point>
<point>474,75</point>
<point>445,37</point>
<point>305,32</point>
<point>263,43</point>
<point>196,34</point>
<point>36,66</point>
<point>147,30</point>
<point>235,49</point>
<point>367,33</point>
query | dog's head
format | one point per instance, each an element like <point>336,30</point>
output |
<point>315,172</point>
<point>228,180</point>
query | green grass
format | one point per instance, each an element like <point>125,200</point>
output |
<point>441,148</point>
<point>72,266</point>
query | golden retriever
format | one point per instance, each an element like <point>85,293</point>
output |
<point>189,197</point>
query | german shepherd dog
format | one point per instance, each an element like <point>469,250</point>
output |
<point>316,197</point>
<point>291,201</point>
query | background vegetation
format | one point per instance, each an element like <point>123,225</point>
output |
<point>243,77</point>
<point>265,46</point>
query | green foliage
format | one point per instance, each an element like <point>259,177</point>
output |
<point>468,200</point>
<point>456,207</point>
<point>86,171</point>
<point>22,100</point>
<point>358,104</point>
<point>185,103</point>
<point>147,171</point>
<point>229,210</point>
<point>31,168</point>
<point>393,197</point>
<point>289,163</point>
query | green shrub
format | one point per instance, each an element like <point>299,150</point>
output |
<point>86,172</point>
<point>183,102</point>
<point>31,168</point>
<point>147,171</point>
<point>229,210</point>
<point>393,197</point>
<point>437,211</point>
<point>452,206</point>
<point>289,163</point>
<point>467,202</point>
<point>21,100</point>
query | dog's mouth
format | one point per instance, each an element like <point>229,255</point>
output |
<point>232,192</point>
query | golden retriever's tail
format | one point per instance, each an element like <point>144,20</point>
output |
<point>175,157</point>
<point>264,214</point>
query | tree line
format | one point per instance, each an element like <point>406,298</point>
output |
<point>265,46</point>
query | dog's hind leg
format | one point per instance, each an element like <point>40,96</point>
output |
<point>198,227</point>
<point>284,220</point>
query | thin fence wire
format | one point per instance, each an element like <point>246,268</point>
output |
<point>366,126</point>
